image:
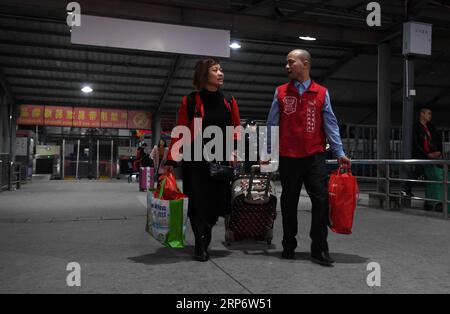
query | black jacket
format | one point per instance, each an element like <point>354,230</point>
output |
<point>419,135</point>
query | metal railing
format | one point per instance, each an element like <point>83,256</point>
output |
<point>4,171</point>
<point>385,174</point>
<point>359,141</point>
<point>15,176</point>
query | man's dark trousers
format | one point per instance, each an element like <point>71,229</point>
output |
<point>313,173</point>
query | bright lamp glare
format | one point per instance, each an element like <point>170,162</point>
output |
<point>87,89</point>
<point>307,38</point>
<point>235,45</point>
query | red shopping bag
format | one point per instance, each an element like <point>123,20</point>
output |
<point>167,188</point>
<point>342,195</point>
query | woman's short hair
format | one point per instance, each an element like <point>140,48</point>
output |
<point>201,72</point>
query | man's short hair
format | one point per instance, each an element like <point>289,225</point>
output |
<point>423,109</point>
<point>304,54</point>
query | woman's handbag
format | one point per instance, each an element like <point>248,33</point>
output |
<point>220,172</point>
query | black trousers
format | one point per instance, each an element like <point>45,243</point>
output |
<point>313,173</point>
<point>208,199</point>
<point>414,172</point>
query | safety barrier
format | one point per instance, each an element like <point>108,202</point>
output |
<point>360,141</point>
<point>437,188</point>
<point>4,171</point>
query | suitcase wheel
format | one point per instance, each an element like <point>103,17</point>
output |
<point>229,237</point>
<point>269,237</point>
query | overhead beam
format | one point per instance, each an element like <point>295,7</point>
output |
<point>76,71</point>
<point>97,90</point>
<point>440,96</point>
<point>78,60</point>
<point>339,65</point>
<point>66,80</point>
<point>167,85</point>
<point>23,100</point>
<point>4,83</point>
<point>243,24</point>
<point>81,98</point>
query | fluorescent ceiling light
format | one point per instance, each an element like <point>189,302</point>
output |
<point>87,89</point>
<point>235,45</point>
<point>307,38</point>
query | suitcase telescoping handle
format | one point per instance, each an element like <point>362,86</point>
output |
<point>252,177</point>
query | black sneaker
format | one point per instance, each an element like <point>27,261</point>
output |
<point>321,259</point>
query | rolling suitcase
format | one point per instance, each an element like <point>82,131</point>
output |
<point>146,178</point>
<point>253,208</point>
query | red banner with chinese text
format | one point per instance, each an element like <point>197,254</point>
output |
<point>31,115</point>
<point>58,116</point>
<point>116,119</point>
<point>86,117</point>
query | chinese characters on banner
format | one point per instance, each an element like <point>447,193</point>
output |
<point>58,116</point>
<point>31,115</point>
<point>116,119</point>
<point>84,117</point>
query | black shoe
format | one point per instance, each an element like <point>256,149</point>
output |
<point>288,254</point>
<point>208,237</point>
<point>200,254</point>
<point>321,259</point>
<point>326,254</point>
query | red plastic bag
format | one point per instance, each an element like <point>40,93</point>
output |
<point>343,196</point>
<point>167,188</point>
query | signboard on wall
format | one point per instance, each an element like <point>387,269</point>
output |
<point>114,32</point>
<point>58,116</point>
<point>21,146</point>
<point>114,119</point>
<point>48,150</point>
<point>139,120</point>
<point>31,115</point>
<point>86,117</point>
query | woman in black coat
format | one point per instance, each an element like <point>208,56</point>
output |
<point>208,198</point>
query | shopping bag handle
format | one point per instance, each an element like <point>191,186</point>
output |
<point>347,169</point>
<point>163,184</point>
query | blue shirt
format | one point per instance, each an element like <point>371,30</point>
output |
<point>331,127</point>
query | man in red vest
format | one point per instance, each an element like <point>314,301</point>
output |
<point>302,111</point>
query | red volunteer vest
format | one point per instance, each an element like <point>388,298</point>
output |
<point>301,123</point>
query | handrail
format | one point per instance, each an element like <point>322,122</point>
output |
<point>395,162</point>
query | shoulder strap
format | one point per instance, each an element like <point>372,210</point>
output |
<point>229,99</point>
<point>191,105</point>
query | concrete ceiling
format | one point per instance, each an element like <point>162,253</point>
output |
<point>40,65</point>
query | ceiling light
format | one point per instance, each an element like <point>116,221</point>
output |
<point>87,89</point>
<point>235,45</point>
<point>307,38</point>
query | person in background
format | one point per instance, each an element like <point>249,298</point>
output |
<point>427,144</point>
<point>140,153</point>
<point>159,156</point>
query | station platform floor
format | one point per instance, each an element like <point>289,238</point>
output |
<point>100,225</point>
